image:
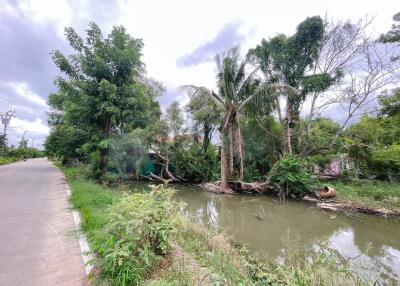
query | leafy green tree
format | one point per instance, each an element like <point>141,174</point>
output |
<point>103,92</point>
<point>262,145</point>
<point>317,149</point>
<point>175,119</point>
<point>287,60</point>
<point>206,118</point>
<point>393,35</point>
<point>390,103</point>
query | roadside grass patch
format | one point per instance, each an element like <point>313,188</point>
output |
<point>8,160</point>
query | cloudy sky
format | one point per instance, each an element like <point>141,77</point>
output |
<point>180,37</point>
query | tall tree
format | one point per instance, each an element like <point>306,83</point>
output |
<point>175,119</point>
<point>103,89</point>
<point>236,89</point>
<point>287,60</point>
<point>206,118</point>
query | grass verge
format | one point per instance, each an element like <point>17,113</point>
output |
<point>8,160</point>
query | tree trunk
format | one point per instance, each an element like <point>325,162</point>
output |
<point>206,139</point>
<point>104,151</point>
<point>230,144</point>
<point>288,138</point>
<point>241,150</point>
<point>224,162</point>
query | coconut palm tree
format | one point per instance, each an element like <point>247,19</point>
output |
<point>236,89</point>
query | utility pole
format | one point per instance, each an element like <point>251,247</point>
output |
<point>5,120</point>
<point>23,143</point>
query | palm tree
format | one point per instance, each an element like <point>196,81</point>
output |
<point>236,89</point>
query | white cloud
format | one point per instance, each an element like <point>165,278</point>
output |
<point>36,132</point>
<point>56,12</point>
<point>22,89</point>
<point>35,127</point>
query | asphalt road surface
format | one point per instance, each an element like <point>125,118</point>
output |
<point>38,241</point>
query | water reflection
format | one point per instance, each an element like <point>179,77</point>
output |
<point>263,223</point>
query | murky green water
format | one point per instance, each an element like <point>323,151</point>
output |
<point>372,244</point>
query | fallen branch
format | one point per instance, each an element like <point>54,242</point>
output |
<point>238,187</point>
<point>351,207</point>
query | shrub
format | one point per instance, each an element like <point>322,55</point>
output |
<point>139,231</point>
<point>290,176</point>
<point>192,163</point>
<point>386,162</point>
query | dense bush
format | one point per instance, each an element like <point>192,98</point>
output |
<point>195,164</point>
<point>290,176</point>
<point>386,162</point>
<point>139,231</point>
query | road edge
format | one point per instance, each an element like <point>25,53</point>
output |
<point>86,253</point>
<point>84,247</point>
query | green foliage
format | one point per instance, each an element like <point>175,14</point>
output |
<point>195,164</point>
<point>27,152</point>
<point>95,165</point>
<point>386,162</point>
<point>318,82</point>
<point>128,153</point>
<point>262,145</point>
<point>369,193</point>
<point>104,92</point>
<point>393,35</point>
<point>175,118</point>
<point>8,160</point>
<point>65,141</point>
<point>140,229</point>
<point>390,103</point>
<point>317,146</point>
<point>206,117</point>
<point>290,176</point>
<point>373,145</point>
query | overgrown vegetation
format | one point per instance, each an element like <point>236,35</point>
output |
<point>105,111</point>
<point>369,193</point>
<point>8,160</point>
<point>290,176</point>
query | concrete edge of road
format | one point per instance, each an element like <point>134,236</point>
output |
<point>87,257</point>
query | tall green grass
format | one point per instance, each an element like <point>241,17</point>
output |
<point>376,194</point>
<point>8,160</point>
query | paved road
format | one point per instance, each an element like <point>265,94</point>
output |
<point>38,244</point>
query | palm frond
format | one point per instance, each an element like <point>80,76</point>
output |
<point>201,94</point>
